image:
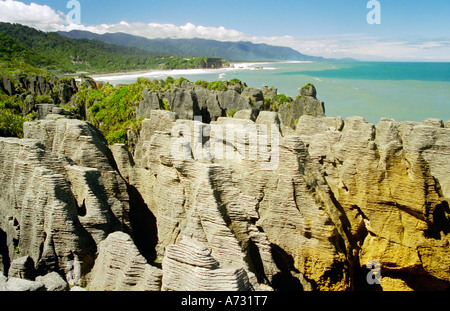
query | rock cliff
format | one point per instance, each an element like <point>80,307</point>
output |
<point>191,100</point>
<point>243,203</point>
<point>344,194</point>
<point>60,90</point>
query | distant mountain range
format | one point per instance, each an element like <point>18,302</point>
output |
<point>22,46</point>
<point>233,51</point>
<point>82,51</point>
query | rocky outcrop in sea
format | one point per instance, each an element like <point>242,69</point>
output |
<point>289,200</point>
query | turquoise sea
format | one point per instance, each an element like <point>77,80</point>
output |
<point>373,90</point>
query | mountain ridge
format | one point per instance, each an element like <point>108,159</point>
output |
<point>233,51</point>
<point>53,52</point>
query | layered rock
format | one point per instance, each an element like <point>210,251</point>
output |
<point>61,196</point>
<point>389,180</point>
<point>120,267</point>
<point>39,213</point>
<point>82,145</point>
<point>230,204</point>
<point>245,208</point>
<point>315,219</point>
<point>306,104</point>
<point>188,101</point>
<point>59,90</point>
<point>189,266</point>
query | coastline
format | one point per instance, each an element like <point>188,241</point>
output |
<point>152,73</point>
<point>347,89</point>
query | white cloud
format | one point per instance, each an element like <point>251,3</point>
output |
<point>357,46</point>
<point>40,16</point>
<point>154,30</point>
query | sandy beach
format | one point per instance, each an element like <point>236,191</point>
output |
<point>157,73</point>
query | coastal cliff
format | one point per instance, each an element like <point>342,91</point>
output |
<point>320,201</point>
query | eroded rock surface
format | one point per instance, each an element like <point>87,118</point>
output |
<point>197,208</point>
<point>61,196</point>
<point>120,267</point>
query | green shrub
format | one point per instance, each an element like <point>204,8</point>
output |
<point>117,137</point>
<point>170,80</point>
<point>11,118</point>
<point>43,99</point>
<point>231,113</point>
<point>202,83</point>
<point>180,80</point>
<point>11,123</point>
<point>267,103</point>
<point>217,86</point>
<point>113,110</point>
<point>11,102</point>
<point>165,104</point>
<point>235,81</point>
<point>281,99</point>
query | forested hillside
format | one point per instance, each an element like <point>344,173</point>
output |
<point>52,52</point>
<point>234,51</point>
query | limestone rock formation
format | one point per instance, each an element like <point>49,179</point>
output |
<point>60,90</point>
<point>39,214</point>
<point>120,267</point>
<point>304,105</point>
<point>245,214</point>
<point>80,144</point>
<point>243,203</point>
<point>50,282</point>
<point>61,196</point>
<point>390,181</point>
<point>22,268</point>
<point>7,86</point>
<point>317,218</point>
<point>189,101</point>
<point>188,266</point>
<point>53,282</point>
<point>21,285</point>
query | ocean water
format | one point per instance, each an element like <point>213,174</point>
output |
<point>373,90</point>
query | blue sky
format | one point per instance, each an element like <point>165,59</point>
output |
<point>409,30</point>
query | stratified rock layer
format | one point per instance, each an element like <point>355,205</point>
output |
<point>61,195</point>
<point>189,266</point>
<point>341,196</point>
<point>237,204</point>
<point>120,267</point>
<point>391,182</point>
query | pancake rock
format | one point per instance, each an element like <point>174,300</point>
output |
<point>391,182</point>
<point>244,203</point>
<point>120,267</point>
<point>61,196</point>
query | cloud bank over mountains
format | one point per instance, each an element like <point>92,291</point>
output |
<point>354,45</point>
